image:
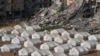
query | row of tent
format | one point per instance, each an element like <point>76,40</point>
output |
<point>58,35</point>
<point>60,40</point>
<point>63,49</point>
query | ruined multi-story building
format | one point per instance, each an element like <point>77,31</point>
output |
<point>11,8</point>
<point>18,8</point>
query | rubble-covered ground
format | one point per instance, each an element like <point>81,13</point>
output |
<point>55,16</point>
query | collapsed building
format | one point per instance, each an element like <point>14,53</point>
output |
<point>50,10</point>
<point>11,9</point>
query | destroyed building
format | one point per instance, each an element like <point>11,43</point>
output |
<point>11,9</point>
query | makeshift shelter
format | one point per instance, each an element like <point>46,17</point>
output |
<point>25,34</point>
<point>95,37</point>
<point>47,37</point>
<point>57,31</point>
<point>83,35</point>
<point>42,52</point>
<point>75,42</point>
<point>39,35</point>
<point>54,32</point>
<point>36,36</point>
<point>5,37</point>
<point>32,42</point>
<point>10,47</point>
<point>78,51</point>
<point>58,40</point>
<point>23,52</point>
<point>78,35</point>
<point>89,44</point>
<point>59,49</point>
<point>48,45</point>
<point>66,46</point>
<point>66,34</point>
<point>26,51</point>
<point>35,53</point>
<point>92,37</point>
<point>14,32</point>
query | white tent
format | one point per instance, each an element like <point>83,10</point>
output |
<point>23,52</point>
<point>48,45</point>
<point>15,40</point>
<point>83,35</point>
<point>8,37</point>
<point>5,49</point>
<point>5,38</point>
<point>65,39</point>
<point>25,34</point>
<point>78,35</point>
<point>47,37</point>
<point>41,53</point>
<point>36,36</point>
<point>27,50</point>
<point>94,37</point>
<point>77,51</point>
<point>35,53</point>
<point>9,47</point>
<point>58,40</point>
<point>89,44</point>
<point>59,49</point>
<point>75,42</point>
<point>32,42</point>
<point>28,43</point>
<point>18,40</point>
<point>54,32</point>
<point>14,32</point>
<point>66,46</point>
<point>57,31</point>
<point>66,34</point>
